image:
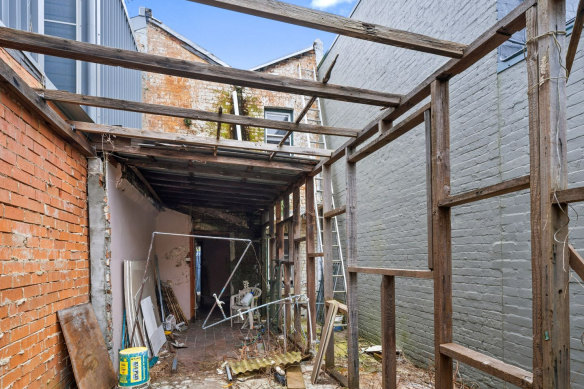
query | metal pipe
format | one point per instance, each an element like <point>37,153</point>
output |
<point>256,308</point>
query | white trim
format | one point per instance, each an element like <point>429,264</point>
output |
<point>303,51</point>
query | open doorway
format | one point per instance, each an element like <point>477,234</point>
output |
<point>214,270</point>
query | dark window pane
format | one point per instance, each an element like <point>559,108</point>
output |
<point>61,10</point>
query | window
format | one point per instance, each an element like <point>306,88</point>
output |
<point>61,19</point>
<point>275,136</point>
<point>512,50</point>
<point>20,14</point>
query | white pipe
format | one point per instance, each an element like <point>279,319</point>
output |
<point>236,111</point>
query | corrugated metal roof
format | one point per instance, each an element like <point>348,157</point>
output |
<point>261,363</point>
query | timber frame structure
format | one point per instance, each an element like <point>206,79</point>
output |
<point>239,174</point>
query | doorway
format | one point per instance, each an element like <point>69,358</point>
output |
<point>215,270</point>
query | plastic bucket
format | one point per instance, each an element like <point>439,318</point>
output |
<point>133,367</point>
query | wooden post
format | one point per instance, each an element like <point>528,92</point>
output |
<point>428,128</point>
<point>296,258</point>
<point>310,262</point>
<point>279,256</point>
<point>440,245</point>
<point>548,174</point>
<point>327,249</point>
<point>389,359</point>
<point>352,303</point>
<point>287,267</point>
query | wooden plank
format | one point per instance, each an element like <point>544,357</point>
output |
<point>30,99</point>
<point>484,44</point>
<point>509,186</point>
<point>335,212</point>
<point>88,354</point>
<point>146,184</point>
<point>224,188</point>
<point>310,262</point>
<point>575,39</point>
<point>388,349</point>
<point>300,239</point>
<point>325,337</point>
<point>324,21</point>
<point>288,264</point>
<point>337,376</point>
<point>193,140</point>
<point>180,180</point>
<point>170,167</point>
<point>576,262</point>
<point>492,366</point>
<point>411,273</point>
<point>315,255</point>
<point>327,248</point>
<point>548,171</point>
<point>572,195</point>
<point>342,307</point>
<point>188,113</point>
<point>352,301</point>
<point>119,146</point>
<point>391,134</point>
<point>428,139</point>
<point>294,378</point>
<point>440,245</point>
<point>297,275</point>
<point>66,48</point>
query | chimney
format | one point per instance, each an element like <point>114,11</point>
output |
<point>146,12</point>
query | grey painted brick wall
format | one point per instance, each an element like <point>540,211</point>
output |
<point>489,143</point>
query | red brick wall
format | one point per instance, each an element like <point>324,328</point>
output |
<point>44,258</point>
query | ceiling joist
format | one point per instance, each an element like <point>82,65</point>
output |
<point>198,158</point>
<point>187,113</point>
<point>194,140</point>
<point>67,48</point>
<point>307,17</point>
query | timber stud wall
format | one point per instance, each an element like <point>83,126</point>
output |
<point>43,246</point>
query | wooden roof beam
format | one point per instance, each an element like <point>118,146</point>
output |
<point>324,21</point>
<point>123,146</point>
<point>67,48</point>
<point>194,140</point>
<point>194,114</point>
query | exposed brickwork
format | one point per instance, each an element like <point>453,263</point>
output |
<point>43,246</point>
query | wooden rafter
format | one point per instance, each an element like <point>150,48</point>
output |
<point>576,262</point>
<point>193,140</point>
<point>27,95</point>
<point>484,44</point>
<point>216,182</point>
<point>66,48</point>
<point>312,18</point>
<point>122,146</point>
<point>145,182</point>
<point>194,114</point>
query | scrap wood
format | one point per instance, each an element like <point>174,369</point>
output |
<point>261,363</point>
<point>324,338</point>
<point>90,360</point>
<point>172,303</point>
<point>294,377</point>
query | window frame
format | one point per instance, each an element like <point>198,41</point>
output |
<point>281,110</point>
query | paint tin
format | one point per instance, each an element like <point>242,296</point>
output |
<point>133,367</point>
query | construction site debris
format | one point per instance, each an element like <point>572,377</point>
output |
<point>254,364</point>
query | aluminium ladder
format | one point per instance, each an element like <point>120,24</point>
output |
<point>339,279</point>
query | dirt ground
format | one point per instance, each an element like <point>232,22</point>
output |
<point>212,373</point>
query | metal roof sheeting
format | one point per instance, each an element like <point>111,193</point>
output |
<point>261,363</point>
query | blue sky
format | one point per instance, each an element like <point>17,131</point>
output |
<point>242,41</point>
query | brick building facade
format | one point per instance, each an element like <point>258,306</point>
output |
<point>44,248</point>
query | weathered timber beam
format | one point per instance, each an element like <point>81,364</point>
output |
<point>576,262</point>
<point>484,44</point>
<point>193,140</point>
<point>390,135</point>
<point>225,188</point>
<point>572,195</point>
<point>576,34</point>
<point>67,48</point>
<point>116,145</point>
<point>146,184</point>
<point>218,182</point>
<point>335,212</point>
<point>194,114</point>
<point>212,171</point>
<point>319,20</point>
<point>509,186</point>
<point>13,82</point>
<point>411,273</point>
<point>212,196</point>
<point>213,199</point>
<point>489,365</point>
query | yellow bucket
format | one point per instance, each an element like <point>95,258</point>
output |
<point>133,367</point>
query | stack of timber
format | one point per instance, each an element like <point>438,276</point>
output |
<point>172,303</point>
